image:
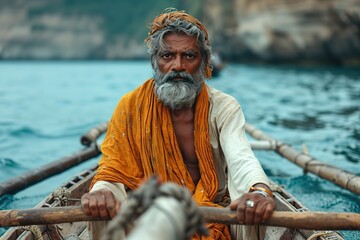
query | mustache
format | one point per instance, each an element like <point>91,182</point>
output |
<point>185,77</point>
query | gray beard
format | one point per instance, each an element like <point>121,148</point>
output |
<point>177,94</point>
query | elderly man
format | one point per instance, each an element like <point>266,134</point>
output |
<point>176,126</point>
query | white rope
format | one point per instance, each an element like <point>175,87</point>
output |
<point>143,198</point>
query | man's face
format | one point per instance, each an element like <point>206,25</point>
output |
<point>178,78</point>
<point>182,54</point>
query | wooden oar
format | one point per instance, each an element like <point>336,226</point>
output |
<point>300,220</point>
<point>339,177</point>
<point>91,136</point>
<point>19,183</point>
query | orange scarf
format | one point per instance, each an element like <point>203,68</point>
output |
<point>141,141</point>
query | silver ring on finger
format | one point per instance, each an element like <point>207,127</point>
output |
<point>249,203</point>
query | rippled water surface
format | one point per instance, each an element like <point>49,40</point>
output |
<point>46,106</point>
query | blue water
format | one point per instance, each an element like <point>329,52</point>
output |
<point>46,106</point>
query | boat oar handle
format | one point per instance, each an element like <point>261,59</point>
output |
<point>301,220</point>
<point>34,176</point>
<point>90,137</point>
<point>39,216</point>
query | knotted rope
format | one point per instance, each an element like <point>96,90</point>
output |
<point>35,230</point>
<point>144,197</point>
<point>62,196</point>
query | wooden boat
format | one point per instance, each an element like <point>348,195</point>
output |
<point>69,194</point>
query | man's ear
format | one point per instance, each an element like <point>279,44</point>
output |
<point>152,59</point>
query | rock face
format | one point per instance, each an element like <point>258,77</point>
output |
<point>272,31</point>
<point>48,37</point>
<point>287,31</point>
<point>58,36</point>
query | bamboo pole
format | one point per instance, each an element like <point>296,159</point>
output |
<point>263,145</point>
<point>19,183</point>
<point>299,220</point>
<point>90,137</point>
<point>339,177</point>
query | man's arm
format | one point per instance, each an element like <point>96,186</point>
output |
<point>244,170</point>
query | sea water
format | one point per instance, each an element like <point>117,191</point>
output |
<point>46,106</point>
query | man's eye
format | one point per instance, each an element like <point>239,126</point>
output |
<point>166,56</point>
<point>190,56</point>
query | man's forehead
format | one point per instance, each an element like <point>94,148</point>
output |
<point>184,42</point>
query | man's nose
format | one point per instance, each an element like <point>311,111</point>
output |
<point>178,64</point>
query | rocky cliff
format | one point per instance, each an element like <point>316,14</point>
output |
<point>287,31</point>
<point>38,29</point>
<point>273,31</point>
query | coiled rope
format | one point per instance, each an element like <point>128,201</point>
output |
<point>144,197</point>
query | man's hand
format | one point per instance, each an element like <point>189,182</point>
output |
<point>261,210</point>
<point>100,203</point>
